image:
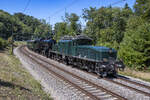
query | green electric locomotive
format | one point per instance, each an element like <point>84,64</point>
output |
<point>79,52</point>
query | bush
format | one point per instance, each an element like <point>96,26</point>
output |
<point>3,43</point>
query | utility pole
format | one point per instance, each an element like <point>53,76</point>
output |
<point>65,13</point>
<point>49,25</point>
<point>12,40</point>
<point>65,10</point>
<point>49,20</point>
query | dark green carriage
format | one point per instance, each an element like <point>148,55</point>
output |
<point>41,46</point>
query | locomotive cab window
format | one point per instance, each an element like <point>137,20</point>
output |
<point>84,42</point>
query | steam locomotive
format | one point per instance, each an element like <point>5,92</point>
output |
<point>79,52</point>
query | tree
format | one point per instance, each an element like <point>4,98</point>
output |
<point>43,31</point>
<point>33,27</point>
<point>6,21</point>
<point>126,11</point>
<point>89,15</point>
<point>142,8</point>
<point>74,26</point>
<point>60,30</point>
<point>106,25</point>
<point>135,48</point>
<point>29,20</point>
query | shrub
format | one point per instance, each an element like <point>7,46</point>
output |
<point>3,43</point>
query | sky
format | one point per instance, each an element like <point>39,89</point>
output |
<point>53,10</point>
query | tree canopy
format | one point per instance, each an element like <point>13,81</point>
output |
<point>125,29</point>
<point>23,27</point>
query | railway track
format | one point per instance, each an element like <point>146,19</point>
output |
<point>129,87</point>
<point>89,89</point>
<point>125,79</point>
<point>125,85</point>
<point>120,78</point>
<point>133,82</point>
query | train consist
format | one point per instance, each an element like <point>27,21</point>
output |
<point>79,52</point>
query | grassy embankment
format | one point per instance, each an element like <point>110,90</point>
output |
<point>15,82</point>
<point>136,74</point>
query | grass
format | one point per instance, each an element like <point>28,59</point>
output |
<point>18,43</point>
<point>136,74</point>
<point>16,83</point>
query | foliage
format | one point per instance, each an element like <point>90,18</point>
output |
<point>135,48</point>
<point>3,43</point>
<point>142,8</point>
<point>73,26</point>
<point>106,25</point>
<point>60,30</point>
<point>37,28</point>
<point>70,26</point>
<point>43,30</point>
<point>22,27</point>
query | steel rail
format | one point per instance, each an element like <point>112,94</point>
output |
<point>93,84</point>
<point>129,87</point>
<point>93,97</point>
<point>132,82</point>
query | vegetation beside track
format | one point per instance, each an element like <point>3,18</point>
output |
<point>16,83</point>
<point>3,43</point>
<point>136,74</point>
<point>19,43</point>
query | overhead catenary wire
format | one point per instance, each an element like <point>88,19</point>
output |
<point>114,3</point>
<point>117,2</point>
<point>71,4</point>
<point>62,9</point>
<point>26,6</point>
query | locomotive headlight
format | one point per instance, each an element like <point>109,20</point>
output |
<point>119,65</point>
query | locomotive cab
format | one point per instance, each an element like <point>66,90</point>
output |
<point>99,59</point>
<point>82,40</point>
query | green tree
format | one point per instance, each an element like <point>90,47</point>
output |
<point>73,25</point>
<point>142,8</point>
<point>43,31</point>
<point>28,20</point>
<point>60,30</point>
<point>89,16</point>
<point>135,48</point>
<point>6,21</point>
<point>102,21</point>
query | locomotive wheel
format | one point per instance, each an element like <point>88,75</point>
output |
<point>97,71</point>
<point>89,70</point>
<point>104,74</point>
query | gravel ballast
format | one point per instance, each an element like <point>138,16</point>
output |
<point>58,89</point>
<point>62,91</point>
